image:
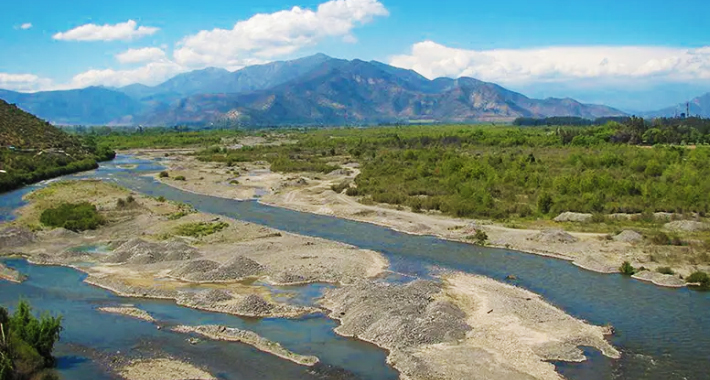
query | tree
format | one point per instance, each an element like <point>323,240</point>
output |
<point>26,344</point>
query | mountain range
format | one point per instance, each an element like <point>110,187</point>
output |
<point>315,90</point>
<point>699,106</point>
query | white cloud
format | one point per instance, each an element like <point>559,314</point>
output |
<point>559,64</point>
<point>147,54</point>
<point>26,26</point>
<point>23,82</point>
<point>266,36</point>
<point>91,32</point>
<point>151,74</point>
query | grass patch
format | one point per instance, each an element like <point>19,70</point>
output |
<point>665,270</point>
<point>200,229</point>
<point>180,178</point>
<point>73,216</point>
<point>701,278</point>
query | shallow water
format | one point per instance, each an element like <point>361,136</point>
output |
<point>662,333</point>
<point>62,291</point>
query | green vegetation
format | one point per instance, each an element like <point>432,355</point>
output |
<point>480,237</point>
<point>665,270</point>
<point>505,172</point>
<point>32,150</point>
<point>26,344</point>
<point>121,138</point>
<point>179,178</point>
<point>73,216</point>
<point>627,269</point>
<point>700,278</point>
<point>164,174</point>
<point>662,238</point>
<point>200,229</point>
<point>123,203</point>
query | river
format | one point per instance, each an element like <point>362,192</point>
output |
<point>663,333</point>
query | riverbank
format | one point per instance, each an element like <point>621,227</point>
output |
<point>313,193</point>
<point>468,327</point>
<point>247,337</point>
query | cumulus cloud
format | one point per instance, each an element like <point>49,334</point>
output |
<point>147,54</point>
<point>150,74</point>
<point>266,36</point>
<point>559,64</point>
<point>26,26</point>
<point>23,82</point>
<point>91,32</point>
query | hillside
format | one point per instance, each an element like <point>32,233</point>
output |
<point>314,90</point>
<point>88,106</point>
<point>358,92</point>
<point>32,150</point>
<point>699,106</point>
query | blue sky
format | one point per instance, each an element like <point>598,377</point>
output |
<point>602,51</point>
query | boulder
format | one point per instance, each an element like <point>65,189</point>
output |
<point>629,236</point>
<point>686,226</point>
<point>574,217</point>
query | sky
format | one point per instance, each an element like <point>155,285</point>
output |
<point>634,54</point>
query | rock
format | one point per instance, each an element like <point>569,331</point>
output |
<point>15,237</point>
<point>511,277</point>
<point>686,226</point>
<point>629,236</point>
<point>573,217</point>
<point>238,268</point>
<point>138,251</point>
<point>555,236</point>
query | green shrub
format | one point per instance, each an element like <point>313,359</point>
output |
<point>661,238</point>
<point>73,216</point>
<point>352,191</point>
<point>120,203</point>
<point>200,229</point>
<point>627,269</point>
<point>479,238</point>
<point>164,174</point>
<point>338,188</point>
<point>701,278</point>
<point>160,199</point>
<point>26,344</point>
<point>665,270</point>
<point>598,218</point>
<point>180,178</point>
<point>544,203</point>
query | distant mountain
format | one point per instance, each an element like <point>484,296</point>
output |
<point>699,106</point>
<point>343,92</point>
<point>313,90</point>
<point>88,106</point>
<point>219,81</point>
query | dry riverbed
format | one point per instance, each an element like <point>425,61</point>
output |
<point>129,311</point>
<point>311,192</point>
<point>469,327</point>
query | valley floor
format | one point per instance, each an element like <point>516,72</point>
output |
<point>312,192</point>
<point>471,321</point>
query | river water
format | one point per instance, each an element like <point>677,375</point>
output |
<point>662,333</point>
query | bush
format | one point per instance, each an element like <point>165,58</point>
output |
<point>661,238</point>
<point>160,199</point>
<point>481,237</point>
<point>73,216</point>
<point>338,188</point>
<point>352,191</point>
<point>627,269</point>
<point>544,203</point>
<point>665,270</point>
<point>701,278</point>
<point>164,174</point>
<point>200,229</point>
<point>180,178</point>
<point>26,344</point>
